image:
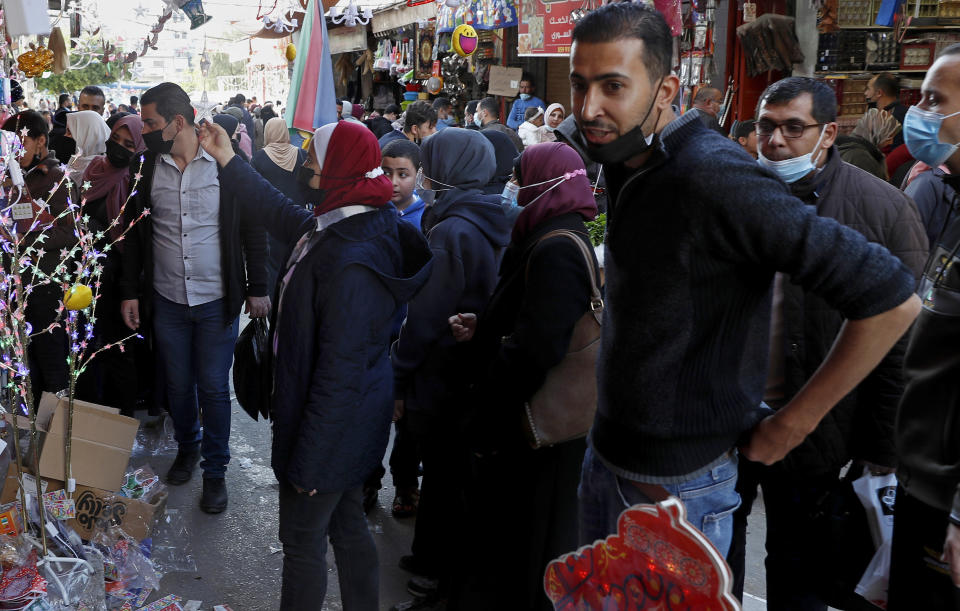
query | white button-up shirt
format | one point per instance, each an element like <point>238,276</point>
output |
<point>186,230</point>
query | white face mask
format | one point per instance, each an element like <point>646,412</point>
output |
<point>792,170</point>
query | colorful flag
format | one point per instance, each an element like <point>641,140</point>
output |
<point>311,101</point>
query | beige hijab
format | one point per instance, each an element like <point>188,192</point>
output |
<point>276,143</point>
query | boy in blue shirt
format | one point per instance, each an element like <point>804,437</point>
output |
<point>400,162</point>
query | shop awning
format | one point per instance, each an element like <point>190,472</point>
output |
<point>345,39</point>
<point>399,15</point>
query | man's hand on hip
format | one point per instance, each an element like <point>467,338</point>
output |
<point>772,439</point>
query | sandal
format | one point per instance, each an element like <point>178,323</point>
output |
<point>406,502</point>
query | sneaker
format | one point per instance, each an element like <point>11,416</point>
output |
<point>423,587</point>
<point>183,465</point>
<point>411,564</point>
<point>421,604</point>
<point>214,497</point>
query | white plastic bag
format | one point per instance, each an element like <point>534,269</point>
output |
<point>878,495</point>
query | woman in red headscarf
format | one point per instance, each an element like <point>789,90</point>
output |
<point>112,378</point>
<point>545,288</point>
<point>353,263</point>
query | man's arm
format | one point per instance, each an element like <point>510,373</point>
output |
<point>859,347</point>
<point>512,121</point>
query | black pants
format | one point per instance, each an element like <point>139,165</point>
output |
<point>521,515</point>
<point>441,509</point>
<point>792,559</point>
<point>111,378</point>
<point>404,457</point>
<point>918,579</point>
<point>48,351</point>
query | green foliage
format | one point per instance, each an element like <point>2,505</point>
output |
<point>97,73</point>
<point>597,229</point>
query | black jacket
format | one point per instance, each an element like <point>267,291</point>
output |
<point>860,426</point>
<point>544,289</point>
<point>243,245</point>
<point>928,421</point>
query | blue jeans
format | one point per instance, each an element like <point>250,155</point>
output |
<point>305,523</point>
<point>195,346</point>
<point>709,499</point>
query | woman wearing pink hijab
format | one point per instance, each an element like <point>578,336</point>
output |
<point>110,181</point>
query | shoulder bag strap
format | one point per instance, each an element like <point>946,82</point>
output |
<point>596,300</point>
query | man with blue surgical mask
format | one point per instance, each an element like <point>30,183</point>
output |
<point>522,103</point>
<point>445,116</point>
<point>796,128</point>
<point>925,557</point>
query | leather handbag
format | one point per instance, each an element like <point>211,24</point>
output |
<point>564,406</point>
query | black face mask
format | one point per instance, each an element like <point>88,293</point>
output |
<point>630,144</point>
<point>871,104</point>
<point>118,155</point>
<point>304,176</point>
<point>155,142</point>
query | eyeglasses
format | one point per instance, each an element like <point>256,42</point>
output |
<point>790,129</point>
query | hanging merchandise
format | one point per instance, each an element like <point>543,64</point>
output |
<point>36,61</point>
<point>291,52</point>
<point>464,40</point>
<point>194,10</point>
<point>770,43</point>
<point>481,14</point>
<point>58,46</point>
<point>26,18</point>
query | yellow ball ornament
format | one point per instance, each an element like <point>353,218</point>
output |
<point>291,52</point>
<point>464,40</point>
<point>78,297</point>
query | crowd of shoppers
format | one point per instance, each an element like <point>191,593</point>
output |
<point>758,292</point>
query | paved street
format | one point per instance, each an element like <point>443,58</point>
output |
<point>237,553</point>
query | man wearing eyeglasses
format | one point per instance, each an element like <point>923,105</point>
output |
<point>796,128</point>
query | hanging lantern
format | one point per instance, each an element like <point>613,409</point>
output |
<point>204,64</point>
<point>464,40</point>
<point>291,52</point>
<point>194,10</point>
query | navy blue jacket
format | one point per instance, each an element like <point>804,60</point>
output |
<point>934,199</point>
<point>467,237</point>
<point>333,389</point>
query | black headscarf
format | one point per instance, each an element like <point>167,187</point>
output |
<point>506,153</point>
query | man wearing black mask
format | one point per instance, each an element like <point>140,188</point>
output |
<point>189,266</point>
<point>696,229</point>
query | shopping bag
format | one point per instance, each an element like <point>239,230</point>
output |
<point>878,493</point>
<point>252,379</point>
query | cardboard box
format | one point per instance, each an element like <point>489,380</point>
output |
<point>504,81</point>
<point>136,517</point>
<point>102,441</point>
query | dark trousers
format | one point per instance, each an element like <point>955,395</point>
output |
<point>441,500</point>
<point>536,519</point>
<point>47,354</point>
<point>195,345</point>
<point>792,557</point>
<point>111,378</point>
<point>404,457</point>
<point>918,579</point>
<point>305,523</point>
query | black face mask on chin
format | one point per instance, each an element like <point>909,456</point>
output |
<point>630,144</point>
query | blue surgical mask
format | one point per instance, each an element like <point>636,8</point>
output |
<point>921,133</point>
<point>525,96</point>
<point>792,170</point>
<point>448,121</point>
<point>509,195</point>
